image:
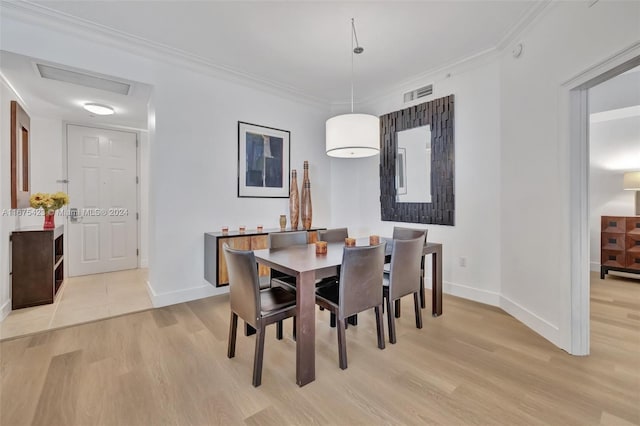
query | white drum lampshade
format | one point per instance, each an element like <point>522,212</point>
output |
<point>353,136</point>
<point>631,181</point>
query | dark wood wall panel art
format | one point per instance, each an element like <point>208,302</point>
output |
<point>439,115</point>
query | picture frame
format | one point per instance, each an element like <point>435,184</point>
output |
<point>20,157</point>
<point>264,161</point>
<point>401,171</point>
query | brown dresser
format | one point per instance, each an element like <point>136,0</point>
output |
<point>620,244</point>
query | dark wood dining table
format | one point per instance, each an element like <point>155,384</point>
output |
<point>303,263</point>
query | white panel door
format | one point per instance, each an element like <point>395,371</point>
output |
<point>103,237</point>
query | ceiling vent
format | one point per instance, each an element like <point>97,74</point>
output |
<point>418,93</point>
<point>82,79</point>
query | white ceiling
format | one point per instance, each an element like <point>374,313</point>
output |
<point>61,100</point>
<point>614,135</point>
<point>306,46</point>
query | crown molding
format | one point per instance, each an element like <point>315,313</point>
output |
<point>40,15</point>
<point>7,83</point>
<point>530,18</point>
<point>432,76</point>
<point>457,66</point>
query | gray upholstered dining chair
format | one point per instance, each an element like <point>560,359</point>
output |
<point>401,233</point>
<point>258,308</point>
<point>279,240</point>
<point>403,279</point>
<point>359,289</point>
<point>335,235</point>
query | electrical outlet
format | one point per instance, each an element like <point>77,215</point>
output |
<point>462,261</point>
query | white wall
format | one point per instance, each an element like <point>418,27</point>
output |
<point>7,222</point>
<point>475,236</point>
<point>144,198</point>
<point>535,239</point>
<point>46,168</point>
<point>614,149</point>
<point>193,148</point>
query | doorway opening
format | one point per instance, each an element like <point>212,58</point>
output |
<point>101,161</point>
<point>578,132</point>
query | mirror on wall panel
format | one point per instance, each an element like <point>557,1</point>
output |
<point>20,172</point>
<point>417,164</point>
<point>413,165</point>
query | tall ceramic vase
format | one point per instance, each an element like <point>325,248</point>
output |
<point>306,208</point>
<point>294,201</point>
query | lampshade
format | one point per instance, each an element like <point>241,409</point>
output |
<point>631,181</point>
<point>353,136</point>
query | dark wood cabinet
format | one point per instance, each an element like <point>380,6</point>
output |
<point>620,244</point>
<point>215,266</point>
<point>37,259</point>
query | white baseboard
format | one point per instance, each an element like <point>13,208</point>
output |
<point>539,325</point>
<point>595,266</point>
<point>184,295</point>
<point>460,290</point>
<point>5,310</point>
<point>528,318</point>
<point>477,295</point>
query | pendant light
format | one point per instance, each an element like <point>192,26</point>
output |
<point>353,135</point>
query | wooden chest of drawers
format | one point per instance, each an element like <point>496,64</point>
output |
<point>619,244</point>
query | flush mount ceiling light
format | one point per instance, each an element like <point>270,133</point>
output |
<point>353,135</point>
<point>99,109</point>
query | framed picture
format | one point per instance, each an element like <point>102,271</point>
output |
<point>263,161</point>
<point>401,171</point>
<point>20,163</point>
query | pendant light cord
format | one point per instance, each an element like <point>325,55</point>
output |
<point>353,36</point>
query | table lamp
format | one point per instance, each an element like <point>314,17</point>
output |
<point>631,182</point>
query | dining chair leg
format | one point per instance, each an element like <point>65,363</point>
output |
<point>248,330</point>
<point>332,320</point>
<point>294,328</point>
<point>257,357</point>
<point>418,308</point>
<point>279,330</point>
<point>397,303</point>
<point>392,322</point>
<point>342,344</point>
<point>353,319</point>
<point>233,329</point>
<point>379,326</point>
<point>423,303</point>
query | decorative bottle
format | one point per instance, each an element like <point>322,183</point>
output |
<point>306,208</point>
<point>294,201</point>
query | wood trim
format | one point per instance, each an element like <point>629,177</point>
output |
<point>20,125</point>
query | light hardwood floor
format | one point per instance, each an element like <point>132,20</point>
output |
<point>83,299</point>
<point>474,365</point>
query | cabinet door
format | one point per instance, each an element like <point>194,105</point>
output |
<point>239,243</point>
<point>259,242</point>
